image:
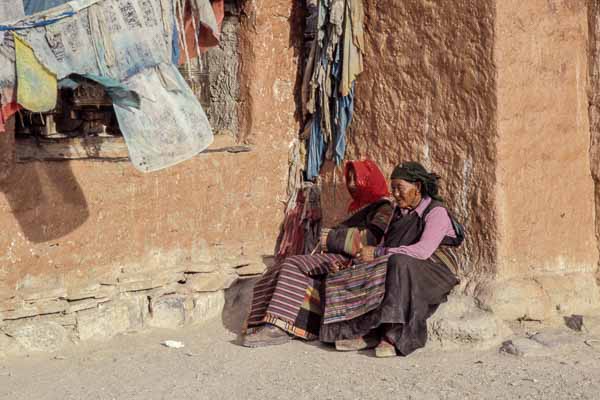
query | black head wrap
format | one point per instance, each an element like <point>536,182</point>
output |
<point>412,171</point>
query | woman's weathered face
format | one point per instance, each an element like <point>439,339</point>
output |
<point>407,194</point>
<point>351,181</point>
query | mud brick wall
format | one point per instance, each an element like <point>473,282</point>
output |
<point>90,249</point>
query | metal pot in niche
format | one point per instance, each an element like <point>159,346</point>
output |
<point>82,110</point>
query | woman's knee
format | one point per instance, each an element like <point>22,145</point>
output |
<point>400,261</point>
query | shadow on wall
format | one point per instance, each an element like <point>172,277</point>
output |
<point>45,199</point>
<point>297,22</point>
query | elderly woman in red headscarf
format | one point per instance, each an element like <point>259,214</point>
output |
<point>287,299</point>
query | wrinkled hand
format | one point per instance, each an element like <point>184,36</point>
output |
<point>337,266</point>
<point>366,254</point>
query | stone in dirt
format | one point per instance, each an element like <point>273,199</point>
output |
<point>574,322</point>
<point>521,347</point>
<point>508,347</point>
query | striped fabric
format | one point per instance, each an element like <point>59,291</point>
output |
<point>354,291</point>
<point>359,289</point>
<point>289,294</point>
<point>445,255</point>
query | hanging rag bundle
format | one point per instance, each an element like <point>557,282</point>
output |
<point>334,62</point>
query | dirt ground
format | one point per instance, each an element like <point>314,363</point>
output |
<point>212,366</point>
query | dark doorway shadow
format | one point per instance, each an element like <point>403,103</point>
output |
<point>46,200</point>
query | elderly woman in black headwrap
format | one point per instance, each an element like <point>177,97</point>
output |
<point>385,298</point>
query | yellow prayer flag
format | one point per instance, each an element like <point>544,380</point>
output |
<point>36,85</point>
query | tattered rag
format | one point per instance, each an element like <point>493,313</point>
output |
<point>169,127</point>
<point>37,87</point>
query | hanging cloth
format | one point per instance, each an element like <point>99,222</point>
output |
<point>37,87</point>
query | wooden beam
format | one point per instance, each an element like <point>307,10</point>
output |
<point>78,148</point>
<point>112,149</point>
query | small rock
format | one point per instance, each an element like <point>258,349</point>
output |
<point>59,358</point>
<point>508,347</point>
<point>574,322</point>
<point>173,344</point>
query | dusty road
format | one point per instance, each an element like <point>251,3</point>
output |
<point>212,367</point>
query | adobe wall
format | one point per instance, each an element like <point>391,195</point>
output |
<point>547,252</point>
<point>594,104</point>
<point>492,95</point>
<point>428,94</point>
<point>90,249</point>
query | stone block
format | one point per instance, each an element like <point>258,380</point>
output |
<point>520,298</point>
<point>20,312</point>
<point>575,293</point>
<point>35,294</point>
<point>171,288</point>
<point>201,258</point>
<point>208,306</point>
<point>25,310</point>
<point>137,309</point>
<point>69,321</point>
<point>255,267</point>
<point>460,322</point>
<point>169,311</point>
<point>85,304</point>
<point>202,268</point>
<point>545,297</point>
<point>51,306</point>
<point>139,282</point>
<point>38,335</point>
<point>104,321</point>
<point>210,282</point>
<point>88,292</point>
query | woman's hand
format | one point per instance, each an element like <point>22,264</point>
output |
<point>366,254</point>
<point>337,266</point>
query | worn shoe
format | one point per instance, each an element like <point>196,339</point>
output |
<point>269,335</point>
<point>385,349</point>
<point>361,343</point>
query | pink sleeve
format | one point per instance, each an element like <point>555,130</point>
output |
<point>437,226</point>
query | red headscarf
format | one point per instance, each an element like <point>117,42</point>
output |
<point>370,183</point>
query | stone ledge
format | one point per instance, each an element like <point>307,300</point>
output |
<point>544,298</point>
<point>124,313</point>
<point>460,322</point>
